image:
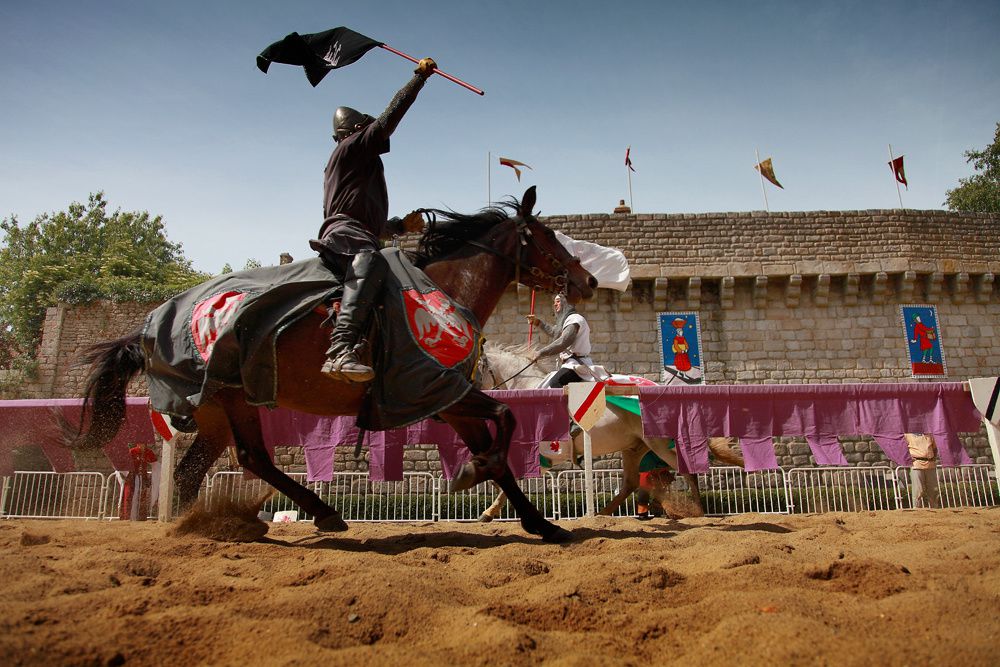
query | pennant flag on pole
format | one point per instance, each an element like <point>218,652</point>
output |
<point>897,170</point>
<point>514,164</point>
<point>318,52</point>
<point>628,160</point>
<point>767,171</point>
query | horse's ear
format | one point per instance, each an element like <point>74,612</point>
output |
<point>527,202</point>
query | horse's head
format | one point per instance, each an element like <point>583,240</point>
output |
<point>543,262</point>
<point>475,257</point>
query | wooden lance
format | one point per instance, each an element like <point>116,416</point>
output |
<point>436,71</point>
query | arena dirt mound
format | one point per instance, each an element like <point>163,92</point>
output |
<point>224,519</point>
<point>29,539</point>
<point>871,578</point>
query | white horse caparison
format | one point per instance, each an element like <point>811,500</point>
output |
<point>617,430</point>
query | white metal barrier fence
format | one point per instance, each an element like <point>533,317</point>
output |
<point>962,486</point>
<point>835,489</point>
<point>469,505</point>
<point>414,498</point>
<point>421,496</point>
<point>353,494</point>
<point>732,490</point>
<point>49,495</point>
<point>570,497</point>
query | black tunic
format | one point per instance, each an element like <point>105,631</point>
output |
<point>355,199</point>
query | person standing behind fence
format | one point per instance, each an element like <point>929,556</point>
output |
<point>923,474</point>
<point>137,495</point>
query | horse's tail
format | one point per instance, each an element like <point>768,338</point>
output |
<point>113,364</point>
<point>722,449</point>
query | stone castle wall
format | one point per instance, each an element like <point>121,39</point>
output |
<point>798,297</point>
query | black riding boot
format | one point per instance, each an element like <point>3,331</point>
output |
<point>362,287</point>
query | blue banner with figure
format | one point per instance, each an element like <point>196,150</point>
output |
<point>680,348</point>
<point>923,341</point>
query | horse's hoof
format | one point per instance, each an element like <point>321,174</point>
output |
<point>465,479</point>
<point>485,518</point>
<point>558,536</point>
<point>331,524</point>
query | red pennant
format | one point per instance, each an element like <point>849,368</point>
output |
<point>897,170</point>
<point>628,160</point>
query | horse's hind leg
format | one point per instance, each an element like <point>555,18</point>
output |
<point>212,439</point>
<point>252,454</point>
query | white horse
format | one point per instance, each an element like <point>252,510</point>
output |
<point>617,430</point>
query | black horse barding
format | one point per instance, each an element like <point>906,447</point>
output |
<point>472,258</point>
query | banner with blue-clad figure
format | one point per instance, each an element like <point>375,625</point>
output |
<point>680,348</point>
<point>923,341</point>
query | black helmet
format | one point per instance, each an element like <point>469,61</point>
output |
<point>347,121</point>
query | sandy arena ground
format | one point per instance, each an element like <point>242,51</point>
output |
<point>901,588</point>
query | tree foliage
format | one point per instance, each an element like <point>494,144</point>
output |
<point>80,255</point>
<point>981,191</point>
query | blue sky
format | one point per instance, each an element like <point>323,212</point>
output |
<point>161,106</point>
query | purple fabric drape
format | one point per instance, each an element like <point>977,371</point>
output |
<point>818,412</point>
<point>33,422</point>
<point>754,413</point>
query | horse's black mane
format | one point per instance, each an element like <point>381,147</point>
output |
<point>446,231</point>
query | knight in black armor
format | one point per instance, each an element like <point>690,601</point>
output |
<point>355,218</point>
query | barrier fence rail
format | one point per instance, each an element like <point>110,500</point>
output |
<point>422,496</point>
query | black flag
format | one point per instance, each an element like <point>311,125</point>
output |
<point>318,52</point>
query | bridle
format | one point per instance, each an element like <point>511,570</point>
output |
<point>558,279</point>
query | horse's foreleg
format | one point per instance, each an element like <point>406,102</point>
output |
<point>493,511</point>
<point>692,481</point>
<point>531,519</point>
<point>468,418</point>
<point>630,478</point>
<point>244,420</point>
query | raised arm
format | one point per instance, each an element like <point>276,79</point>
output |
<point>404,99</point>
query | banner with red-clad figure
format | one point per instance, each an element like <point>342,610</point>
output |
<point>923,341</point>
<point>680,348</point>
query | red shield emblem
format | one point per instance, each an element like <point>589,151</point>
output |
<point>439,329</point>
<point>210,317</point>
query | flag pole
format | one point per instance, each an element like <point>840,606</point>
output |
<point>630,204</point>
<point>763,190</point>
<point>892,168</point>
<point>489,186</point>
<point>532,311</point>
<point>451,78</point>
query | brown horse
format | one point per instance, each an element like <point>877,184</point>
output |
<point>473,258</point>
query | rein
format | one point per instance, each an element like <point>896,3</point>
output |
<point>503,382</point>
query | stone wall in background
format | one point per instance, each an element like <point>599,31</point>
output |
<point>797,297</point>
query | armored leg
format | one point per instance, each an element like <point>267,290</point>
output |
<point>362,287</point>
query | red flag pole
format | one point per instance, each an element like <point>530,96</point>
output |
<point>436,71</point>
<point>892,168</point>
<point>532,311</point>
